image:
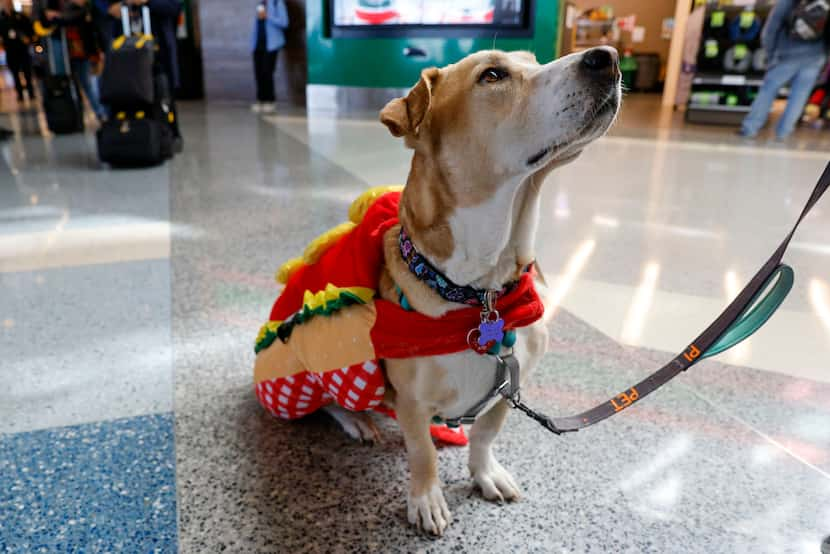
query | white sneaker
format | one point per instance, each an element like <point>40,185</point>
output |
<point>269,108</point>
<point>256,107</point>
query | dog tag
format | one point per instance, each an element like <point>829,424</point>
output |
<point>491,330</point>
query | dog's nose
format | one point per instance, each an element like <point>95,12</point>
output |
<point>601,60</point>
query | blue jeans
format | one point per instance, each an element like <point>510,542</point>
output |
<point>88,82</point>
<point>802,74</point>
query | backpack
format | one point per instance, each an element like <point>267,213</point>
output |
<point>809,19</point>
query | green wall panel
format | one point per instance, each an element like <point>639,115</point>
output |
<point>379,62</point>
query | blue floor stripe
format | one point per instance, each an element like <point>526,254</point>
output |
<point>101,487</point>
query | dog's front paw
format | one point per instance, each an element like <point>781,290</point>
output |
<point>429,511</point>
<point>495,482</point>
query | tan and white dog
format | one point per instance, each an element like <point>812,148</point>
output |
<point>485,132</point>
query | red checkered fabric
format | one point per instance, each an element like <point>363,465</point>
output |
<point>357,387</point>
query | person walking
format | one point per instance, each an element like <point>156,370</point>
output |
<point>796,45</point>
<point>16,33</point>
<point>267,39</point>
<point>83,43</point>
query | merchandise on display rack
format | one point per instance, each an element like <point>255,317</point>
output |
<point>730,63</point>
<point>817,111</point>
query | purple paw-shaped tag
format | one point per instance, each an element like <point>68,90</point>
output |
<point>491,331</point>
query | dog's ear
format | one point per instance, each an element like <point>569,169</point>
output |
<point>403,116</point>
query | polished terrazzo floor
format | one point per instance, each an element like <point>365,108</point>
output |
<point>129,301</point>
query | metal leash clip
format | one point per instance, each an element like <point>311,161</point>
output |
<point>510,391</point>
<point>509,367</point>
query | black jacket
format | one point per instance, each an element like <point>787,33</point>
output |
<point>72,15</point>
<point>15,32</point>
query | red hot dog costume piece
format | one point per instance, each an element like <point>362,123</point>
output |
<point>327,331</point>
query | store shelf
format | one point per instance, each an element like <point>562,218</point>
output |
<point>719,108</point>
<point>590,23</point>
<point>726,80</point>
<point>716,114</point>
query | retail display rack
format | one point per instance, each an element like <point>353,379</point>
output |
<point>730,62</point>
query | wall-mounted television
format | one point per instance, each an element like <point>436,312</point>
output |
<point>430,18</point>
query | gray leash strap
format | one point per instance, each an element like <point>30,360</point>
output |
<point>681,362</point>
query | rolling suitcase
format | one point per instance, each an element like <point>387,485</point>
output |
<point>138,133</point>
<point>61,101</point>
<point>128,73</point>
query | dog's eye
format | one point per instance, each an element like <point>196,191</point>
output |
<point>492,75</point>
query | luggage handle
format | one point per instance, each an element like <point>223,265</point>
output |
<point>125,20</point>
<point>145,20</point>
<point>145,17</point>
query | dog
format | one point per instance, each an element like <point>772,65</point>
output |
<point>485,132</point>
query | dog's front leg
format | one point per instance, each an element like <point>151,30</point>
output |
<point>426,507</point>
<point>495,482</point>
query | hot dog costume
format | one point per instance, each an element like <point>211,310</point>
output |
<point>327,330</point>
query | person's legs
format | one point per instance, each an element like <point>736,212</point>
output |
<point>270,66</point>
<point>266,82</point>
<point>259,74</point>
<point>90,84</point>
<point>77,77</point>
<point>15,70</point>
<point>83,78</point>
<point>776,77</point>
<point>26,68</point>
<point>802,86</point>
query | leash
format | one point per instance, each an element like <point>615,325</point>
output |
<point>742,317</point>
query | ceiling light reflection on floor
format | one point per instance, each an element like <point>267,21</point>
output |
<point>562,209</point>
<point>763,454</point>
<point>574,267</point>
<point>679,230</point>
<point>650,469</point>
<point>812,247</point>
<point>640,305</point>
<point>739,353</point>
<point>730,283</point>
<point>666,493</point>
<point>820,299</point>
<point>90,240</point>
<point>606,221</point>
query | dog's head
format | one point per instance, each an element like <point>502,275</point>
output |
<point>496,116</point>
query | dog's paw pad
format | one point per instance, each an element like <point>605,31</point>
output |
<point>429,511</point>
